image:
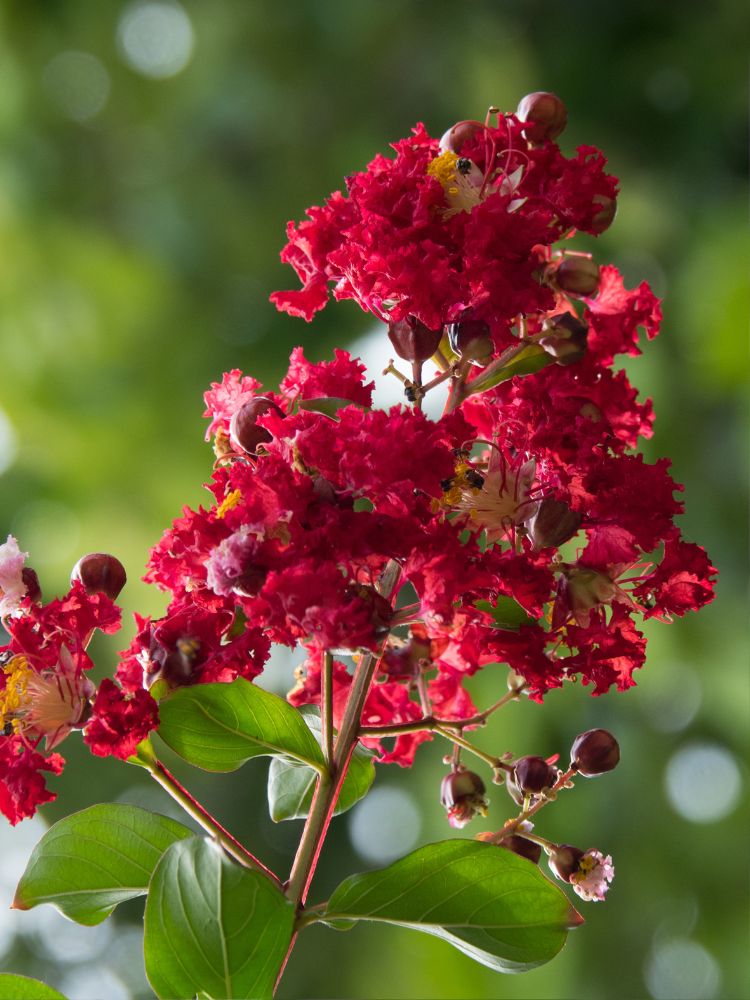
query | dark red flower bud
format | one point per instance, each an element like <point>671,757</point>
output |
<point>564,337</point>
<point>534,774</point>
<point>565,861</point>
<point>471,340</point>
<point>412,340</point>
<point>244,432</point>
<point>520,845</point>
<point>453,140</point>
<point>546,114</point>
<point>180,665</point>
<point>381,609</point>
<point>605,214</point>
<point>578,275</point>
<point>552,523</point>
<point>31,582</point>
<point>462,795</point>
<point>594,752</point>
<point>100,573</point>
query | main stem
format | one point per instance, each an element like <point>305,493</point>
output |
<point>329,785</point>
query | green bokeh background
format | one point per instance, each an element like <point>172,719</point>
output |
<point>138,248</point>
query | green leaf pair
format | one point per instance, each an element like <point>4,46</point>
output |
<point>211,926</point>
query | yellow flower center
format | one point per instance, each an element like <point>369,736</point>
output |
<point>460,179</point>
<point>229,501</point>
<point>13,697</point>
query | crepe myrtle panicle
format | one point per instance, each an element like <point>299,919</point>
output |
<point>399,554</point>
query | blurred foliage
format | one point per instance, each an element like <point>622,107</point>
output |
<point>140,222</point>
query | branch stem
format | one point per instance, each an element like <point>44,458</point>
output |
<point>206,821</point>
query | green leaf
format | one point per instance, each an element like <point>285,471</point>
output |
<point>212,927</point>
<point>327,405</point>
<point>506,612</point>
<point>488,902</point>
<point>291,784</point>
<point>524,359</point>
<point>23,988</point>
<point>89,862</point>
<point>221,726</point>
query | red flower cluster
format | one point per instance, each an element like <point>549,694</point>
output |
<point>45,691</point>
<point>522,527</point>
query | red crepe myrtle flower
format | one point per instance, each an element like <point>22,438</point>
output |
<point>120,720</point>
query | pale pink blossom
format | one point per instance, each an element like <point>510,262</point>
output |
<point>12,587</point>
<point>594,874</point>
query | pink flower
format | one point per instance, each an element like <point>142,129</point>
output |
<point>12,586</point>
<point>595,872</point>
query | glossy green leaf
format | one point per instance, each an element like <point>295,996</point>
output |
<point>488,902</point>
<point>327,405</point>
<point>506,613</point>
<point>522,360</point>
<point>89,862</point>
<point>212,927</point>
<point>291,784</point>
<point>221,726</point>
<point>23,988</point>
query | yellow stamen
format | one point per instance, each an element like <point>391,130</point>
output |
<point>229,501</point>
<point>13,697</point>
<point>443,168</point>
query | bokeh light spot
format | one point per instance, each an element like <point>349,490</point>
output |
<point>155,38</point>
<point>78,83</point>
<point>703,782</point>
<point>681,968</point>
<point>385,825</point>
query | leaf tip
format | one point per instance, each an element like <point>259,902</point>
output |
<point>573,918</point>
<point>19,904</point>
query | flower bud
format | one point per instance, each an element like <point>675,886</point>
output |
<point>470,339</point>
<point>454,139</point>
<point>520,845</point>
<point>100,574</point>
<point>552,523</point>
<point>244,432</point>
<point>546,114</point>
<point>462,795</point>
<point>534,774</point>
<point>594,752</point>
<point>565,861</point>
<point>31,582</point>
<point>578,275</point>
<point>381,609</point>
<point>412,340</point>
<point>564,337</point>
<point>605,214</point>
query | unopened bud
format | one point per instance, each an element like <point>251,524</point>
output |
<point>565,861</point>
<point>470,339</point>
<point>533,774</point>
<point>594,752</point>
<point>412,340</point>
<point>520,845</point>
<point>552,523</point>
<point>546,114</point>
<point>100,573</point>
<point>454,139</point>
<point>462,795</point>
<point>31,582</point>
<point>381,609</point>
<point>244,432</point>
<point>564,337</point>
<point>605,214</point>
<point>578,275</point>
